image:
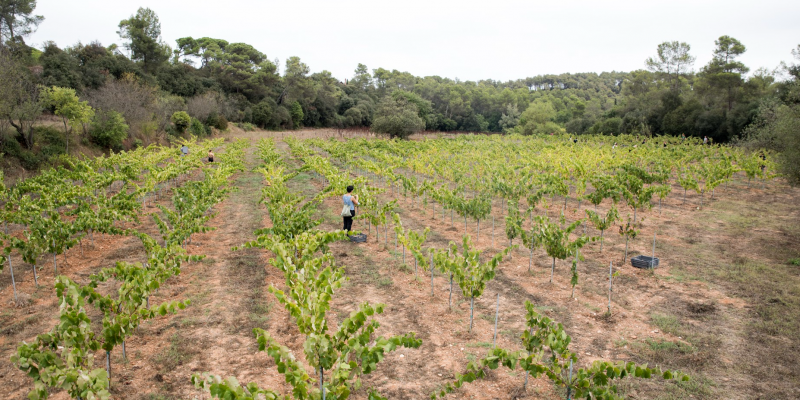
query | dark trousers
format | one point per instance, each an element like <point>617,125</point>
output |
<point>348,221</point>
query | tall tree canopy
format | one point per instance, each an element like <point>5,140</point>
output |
<point>143,34</point>
<point>673,61</point>
<point>17,20</point>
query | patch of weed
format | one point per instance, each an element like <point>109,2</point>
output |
<point>678,273</point>
<point>385,281</point>
<point>485,345</point>
<point>179,352</point>
<point>667,323</point>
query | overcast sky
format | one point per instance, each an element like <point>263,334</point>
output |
<point>469,40</point>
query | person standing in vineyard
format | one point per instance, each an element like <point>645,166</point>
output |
<point>210,156</point>
<point>352,201</point>
<point>184,150</point>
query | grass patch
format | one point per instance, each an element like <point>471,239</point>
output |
<point>594,309</point>
<point>698,387</point>
<point>667,323</point>
<point>260,313</point>
<point>208,261</point>
<point>679,273</point>
<point>156,396</point>
<point>775,292</point>
<point>405,268</point>
<point>385,281</point>
<point>179,352</point>
<point>677,355</point>
<point>485,345</point>
<point>20,326</point>
<point>510,334</point>
<point>189,321</point>
<point>247,274</point>
<point>369,273</point>
<point>667,346</point>
<point>200,299</point>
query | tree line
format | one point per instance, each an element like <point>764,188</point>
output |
<point>215,81</point>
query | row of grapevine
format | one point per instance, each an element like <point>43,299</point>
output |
<point>301,253</point>
<point>515,167</point>
<point>63,205</point>
<point>64,358</point>
<point>472,275</point>
<point>336,183</point>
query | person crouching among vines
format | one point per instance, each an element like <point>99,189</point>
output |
<point>210,156</point>
<point>349,210</point>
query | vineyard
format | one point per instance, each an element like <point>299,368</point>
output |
<point>494,267</point>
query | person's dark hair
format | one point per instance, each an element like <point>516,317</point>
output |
<point>350,189</point>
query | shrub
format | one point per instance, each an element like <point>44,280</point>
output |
<point>109,129</point>
<point>217,121</point>
<point>52,142</point>
<point>246,126</point>
<point>198,129</point>
<point>262,114</point>
<point>10,147</point>
<point>281,118</point>
<point>297,114</point>
<point>13,149</point>
<point>397,117</point>
<point>534,120</point>
<point>29,160</point>
<point>448,124</point>
<point>136,100</point>
<point>777,128</point>
<point>181,120</point>
<point>610,126</point>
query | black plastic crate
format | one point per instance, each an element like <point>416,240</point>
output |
<point>360,238</point>
<point>644,262</point>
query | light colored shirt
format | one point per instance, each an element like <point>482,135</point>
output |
<point>348,201</point>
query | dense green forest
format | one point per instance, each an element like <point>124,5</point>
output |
<point>133,93</point>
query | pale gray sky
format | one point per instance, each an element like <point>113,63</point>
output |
<point>469,40</point>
